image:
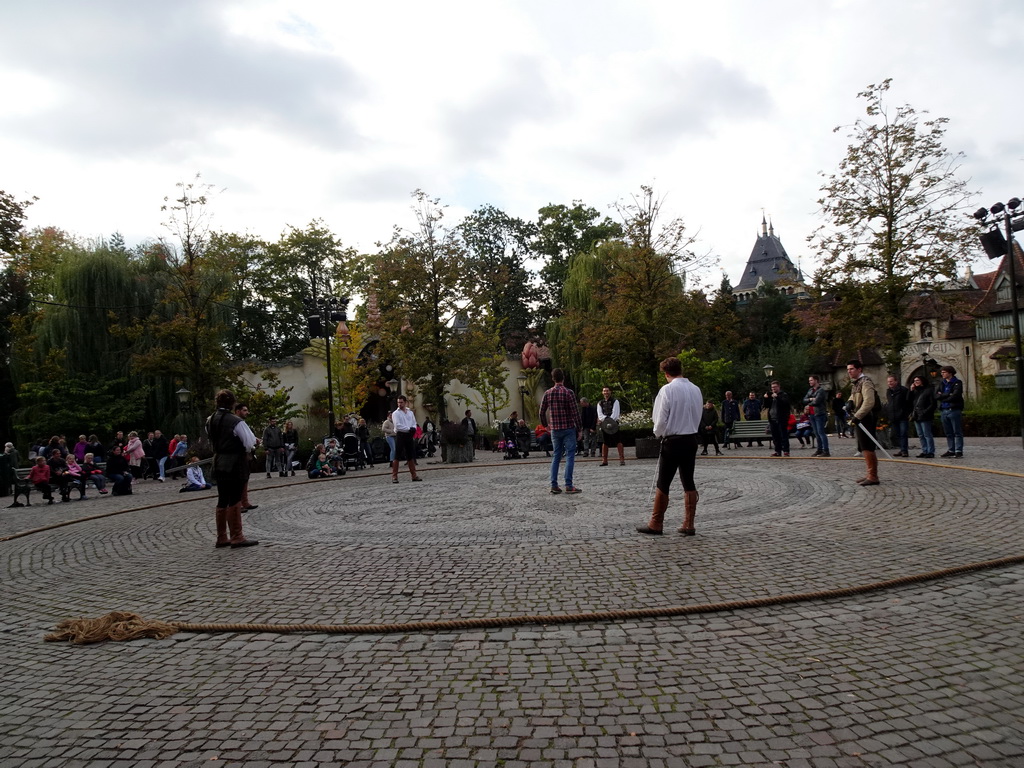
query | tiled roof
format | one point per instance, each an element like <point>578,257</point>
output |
<point>768,261</point>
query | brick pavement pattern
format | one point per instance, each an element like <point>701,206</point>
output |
<point>928,675</point>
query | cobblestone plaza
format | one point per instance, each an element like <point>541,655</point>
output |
<point>921,675</point>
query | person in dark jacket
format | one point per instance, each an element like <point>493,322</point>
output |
<point>778,405</point>
<point>951,410</point>
<point>160,447</point>
<point>817,399</point>
<point>118,472</point>
<point>752,412</point>
<point>709,428</point>
<point>730,415</point>
<point>923,413</point>
<point>898,405</point>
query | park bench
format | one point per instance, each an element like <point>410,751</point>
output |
<point>22,486</point>
<point>748,431</point>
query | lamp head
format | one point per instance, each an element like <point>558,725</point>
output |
<point>1013,203</point>
<point>981,214</point>
<point>768,370</point>
<point>997,208</point>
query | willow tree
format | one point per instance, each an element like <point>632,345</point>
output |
<point>894,223</point>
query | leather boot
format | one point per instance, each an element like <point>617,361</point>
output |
<point>871,460</point>
<point>622,456</point>
<point>687,529</point>
<point>234,516</point>
<point>394,471</point>
<point>222,528</point>
<point>412,471</point>
<point>657,522</point>
<point>604,456</point>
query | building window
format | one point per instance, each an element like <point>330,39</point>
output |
<point>1003,291</point>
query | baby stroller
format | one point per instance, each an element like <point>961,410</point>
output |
<point>334,454</point>
<point>508,444</point>
<point>351,455</point>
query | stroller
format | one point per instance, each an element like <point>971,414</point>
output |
<point>334,454</point>
<point>351,454</point>
<point>509,444</point>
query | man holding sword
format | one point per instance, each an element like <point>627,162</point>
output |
<point>866,406</point>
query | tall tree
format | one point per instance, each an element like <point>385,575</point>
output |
<point>563,232</point>
<point>893,222</point>
<point>497,246</point>
<point>429,324</point>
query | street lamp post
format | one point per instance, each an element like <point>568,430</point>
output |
<point>1013,219</point>
<point>521,380</point>
<point>322,313</point>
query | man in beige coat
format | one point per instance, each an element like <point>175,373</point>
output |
<point>865,417</point>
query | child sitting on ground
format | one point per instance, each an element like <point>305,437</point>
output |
<point>195,477</point>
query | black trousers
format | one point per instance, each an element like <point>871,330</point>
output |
<point>678,454</point>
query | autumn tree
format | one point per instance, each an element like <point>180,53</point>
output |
<point>431,322</point>
<point>893,222</point>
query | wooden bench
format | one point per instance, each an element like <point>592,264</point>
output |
<point>22,486</point>
<point>749,431</point>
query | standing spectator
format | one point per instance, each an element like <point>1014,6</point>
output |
<point>170,450</point>
<point>97,449</point>
<point>363,433</point>
<point>839,411</point>
<point>273,443</point>
<point>429,429</point>
<point>709,428</point>
<point>752,412</point>
<point>81,448</point>
<point>180,449</point>
<point>291,446</point>
<point>469,424</point>
<point>134,451</point>
<point>866,406</point>
<point>160,453</point>
<point>564,424</point>
<point>119,440</point>
<point>149,461</point>
<point>12,454</point>
<point>39,476</point>
<point>405,445</point>
<point>923,413</point>
<point>730,415</point>
<point>588,420</point>
<point>608,411</point>
<point>387,429</point>
<point>232,442</point>
<point>898,406</point>
<point>817,400</point>
<point>951,411</point>
<point>779,410</point>
<point>677,415</point>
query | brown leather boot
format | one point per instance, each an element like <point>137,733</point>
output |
<point>871,459</point>
<point>412,471</point>
<point>604,455</point>
<point>687,529</point>
<point>394,471</point>
<point>222,528</point>
<point>622,456</point>
<point>654,527</point>
<point>234,515</point>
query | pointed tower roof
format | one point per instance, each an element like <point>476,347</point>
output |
<point>768,261</point>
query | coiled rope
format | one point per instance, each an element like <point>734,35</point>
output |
<point>129,626</point>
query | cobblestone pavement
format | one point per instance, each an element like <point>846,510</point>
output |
<point>926,675</point>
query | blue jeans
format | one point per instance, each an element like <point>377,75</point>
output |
<point>391,446</point>
<point>924,432</point>
<point>819,423</point>
<point>563,443</point>
<point>953,426</point>
<point>899,432</point>
<point>162,463</point>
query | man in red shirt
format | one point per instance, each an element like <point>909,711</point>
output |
<point>564,423</point>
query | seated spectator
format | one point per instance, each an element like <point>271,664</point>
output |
<point>39,476</point>
<point>76,473</point>
<point>195,477</point>
<point>543,439</point>
<point>118,473</point>
<point>59,474</point>
<point>53,445</point>
<point>311,471</point>
<point>523,438</point>
<point>323,467</point>
<point>94,473</point>
<point>802,428</point>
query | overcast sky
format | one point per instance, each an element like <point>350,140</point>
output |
<point>308,109</point>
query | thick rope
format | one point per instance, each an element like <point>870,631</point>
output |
<point>128,626</point>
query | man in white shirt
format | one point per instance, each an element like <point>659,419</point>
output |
<point>677,412</point>
<point>405,445</point>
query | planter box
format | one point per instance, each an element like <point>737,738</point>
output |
<point>648,447</point>
<point>459,454</point>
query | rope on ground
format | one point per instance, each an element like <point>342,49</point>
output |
<point>128,626</point>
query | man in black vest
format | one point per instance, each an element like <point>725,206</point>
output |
<point>232,441</point>
<point>608,414</point>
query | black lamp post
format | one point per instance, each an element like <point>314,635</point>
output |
<point>1013,219</point>
<point>523,391</point>
<point>769,369</point>
<point>322,315</point>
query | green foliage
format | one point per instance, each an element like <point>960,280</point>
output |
<point>77,405</point>
<point>712,376</point>
<point>266,399</point>
<point>893,222</point>
<point>12,218</point>
<point>632,393</point>
<point>792,361</point>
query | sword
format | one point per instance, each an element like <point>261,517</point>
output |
<point>873,440</point>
